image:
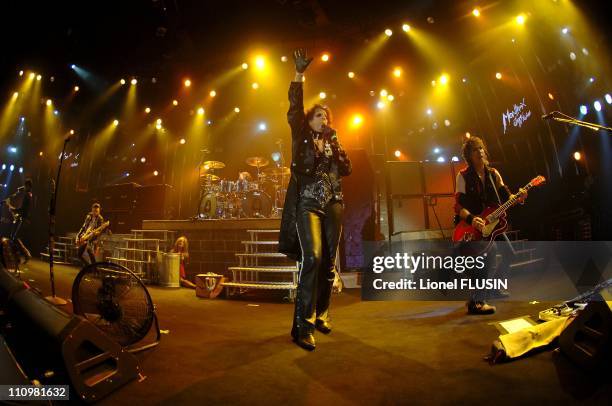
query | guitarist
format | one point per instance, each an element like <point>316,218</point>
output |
<point>479,186</point>
<point>92,221</point>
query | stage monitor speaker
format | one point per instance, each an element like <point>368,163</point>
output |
<point>588,339</point>
<point>118,197</point>
<point>438,178</point>
<point>408,214</point>
<point>45,338</point>
<point>404,178</point>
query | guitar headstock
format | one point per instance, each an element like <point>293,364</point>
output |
<point>538,181</point>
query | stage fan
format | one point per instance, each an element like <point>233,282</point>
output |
<point>116,301</point>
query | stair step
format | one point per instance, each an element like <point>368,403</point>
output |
<point>260,242</point>
<point>263,231</point>
<point>524,251</point>
<point>263,269</point>
<point>129,260</point>
<point>261,285</point>
<point>526,263</point>
<point>262,255</point>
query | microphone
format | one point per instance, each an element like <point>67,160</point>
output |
<point>549,115</point>
<point>333,138</point>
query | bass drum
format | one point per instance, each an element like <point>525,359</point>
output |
<point>256,203</point>
<point>211,206</point>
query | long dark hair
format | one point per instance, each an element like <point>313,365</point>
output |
<point>311,112</point>
<point>472,144</point>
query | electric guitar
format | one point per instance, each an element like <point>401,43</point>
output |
<point>494,217</point>
<point>89,234</point>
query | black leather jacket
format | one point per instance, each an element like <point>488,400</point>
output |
<point>302,169</point>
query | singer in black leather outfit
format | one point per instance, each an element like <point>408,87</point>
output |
<point>312,215</point>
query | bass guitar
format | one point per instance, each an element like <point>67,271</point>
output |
<point>494,217</point>
<point>89,234</point>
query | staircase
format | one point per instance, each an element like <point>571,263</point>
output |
<point>260,266</point>
<point>523,257</point>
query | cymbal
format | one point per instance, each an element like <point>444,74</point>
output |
<point>213,165</point>
<point>210,177</point>
<point>257,161</point>
<point>277,171</point>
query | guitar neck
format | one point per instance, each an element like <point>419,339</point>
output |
<point>511,202</point>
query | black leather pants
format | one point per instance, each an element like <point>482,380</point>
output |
<point>319,234</point>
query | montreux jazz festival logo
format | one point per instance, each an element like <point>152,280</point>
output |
<point>519,114</point>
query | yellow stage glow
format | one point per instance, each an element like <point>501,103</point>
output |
<point>20,73</point>
<point>383,93</point>
<point>380,105</point>
<point>133,81</point>
<point>122,81</point>
<point>175,102</point>
<point>143,160</point>
<point>467,134</point>
<point>260,62</point>
<point>237,109</point>
<point>49,102</point>
<point>40,153</point>
<point>76,89</point>
<point>71,132</point>
<point>443,79</point>
<point>32,75</point>
<point>284,58</point>
<point>115,122</point>
<point>551,97</point>
<point>405,27</point>
<point>158,121</point>
<point>212,93</point>
<point>38,77</point>
<point>476,12</point>
<point>200,111</point>
<point>351,75</point>
<point>397,153</point>
<point>182,141</point>
<point>498,75</point>
<point>388,32</point>
<point>357,120</point>
<point>187,83</point>
<point>397,72</point>
<point>245,66</point>
<point>390,97</point>
<point>147,110</point>
<point>577,156</point>
<point>325,57</point>
<point>158,126</point>
<point>15,95</point>
<point>155,173</point>
<point>322,95</point>
<point>255,85</point>
<point>520,19</point>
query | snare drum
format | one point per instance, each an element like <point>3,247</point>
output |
<point>256,203</point>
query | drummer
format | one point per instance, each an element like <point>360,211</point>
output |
<point>245,176</point>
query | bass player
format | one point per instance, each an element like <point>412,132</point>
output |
<point>93,221</point>
<point>479,186</point>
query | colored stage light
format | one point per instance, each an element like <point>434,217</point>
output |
<point>498,76</point>
<point>155,173</point>
<point>276,156</point>
<point>325,57</point>
<point>357,120</point>
<point>383,93</point>
<point>443,79</point>
<point>405,27</point>
<point>467,134</point>
<point>284,58</point>
<point>262,126</point>
<point>71,132</point>
<point>550,96</point>
<point>390,97</point>
<point>476,12</point>
<point>322,95</point>
<point>40,153</point>
<point>429,112</point>
<point>143,159</point>
<point>572,56</point>
<point>597,105</point>
<point>388,32</point>
<point>38,77</point>
<point>147,110</point>
<point>565,30</point>
<point>134,81</point>
<point>447,122</point>
<point>397,153</point>
<point>436,150</point>
<point>255,85</point>
<point>158,126</point>
<point>175,102</point>
<point>441,159</point>
<point>397,72</point>
<point>212,93</point>
<point>12,168</point>
<point>585,51</point>
<point>15,95</point>
<point>380,105</point>
<point>49,102</point>
<point>32,75</point>
<point>76,88</point>
<point>187,82</point>
<point>260,62</point>
<point>577,156</point>
<point>158,121</point>
<point>351,75</point>
<point>12,149</point>
<point>237,109</point>
<point>182,141</point>
<point>122,81</point>
<point>115,123</point>
<point>245,66</point>
<point>3,167</point>
<point>20,73</point>
<point>608,98</point>
<point>200,111</point>
<point>520,19</point>
<point>72,66</point>
<point>591,79</point>
<point>584,110</point>
<point>455,159</point>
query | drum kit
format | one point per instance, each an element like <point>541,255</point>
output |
<point>263,197</point>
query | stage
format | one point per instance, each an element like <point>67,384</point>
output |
<point>236,351</point>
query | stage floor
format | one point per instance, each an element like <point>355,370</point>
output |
<point>239,351</point>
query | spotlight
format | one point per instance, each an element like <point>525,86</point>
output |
<point>12,150</point>
<point>38,77</point>
<point>115,123</point>
<point>209,122</point>
<point>127,174</point>
<point>357,120</point>
<point>49,102</point>
<point>15,95</point>
<point>245,66</point>
<point>441,159</point>
<point>433,83</point>
<point>237,109</point>
<point>20,73</point>
<point>467,134</point>
<point>12,167</point>
<point>464,80</point>
<point>447,122</point>
<point>443,79</point>
<point>585,51</point>
<point>383,93</point>
<point>577,156</point>
<point>572,56</point>
<point>591,79</point>
<point>551,97</point>
<point>390,97</point>
<point>40,153</point>
<point>122,81</point>
<point>255,85</point>
<point>429,112</point>
<point>597,105</point>
<point>405,27</point>
<point>284,58</point>
<point>147,110</point>
<point>71,132</point>
<point>32,75</point>
<point>351,75</point>
<point>397,153</point>
<point>455,159</point>
<point>388,32</point>
<point>143,160</point>
<point>133,81</point>
<point>153,80</point>
<point>322,95</point>
<point>22,119</point>
<point>212,93</point>
<point>325,57</point>
<point>520,19</point>
<point>262,126</point>
<point>498,76</point>
<point>187,83</point>
<point>380,105</point>
<point>158,121</point>
<point>565,30</point>
<point>72,66</point>
<point>3,167</point>
<point>55,112</point>
<point>397,72</point>
<point>76,88</point>
<point>175,102</point>
<point>155,173</point>
<point>200,111</point>
<point>182,141</point>
<point>476,12</point>
<point>436,150</point>
<point>583,110</point>
<point>158,126</point>
<point>260,62</point>
<point>276,156</point>
<point>608,98</point>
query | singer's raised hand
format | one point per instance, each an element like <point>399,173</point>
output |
<point>301,60</point>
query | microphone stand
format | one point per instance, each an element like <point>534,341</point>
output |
<point>56,300</point>
<point>564,118</point>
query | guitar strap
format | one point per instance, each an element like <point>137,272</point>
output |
<point>494,186</point>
